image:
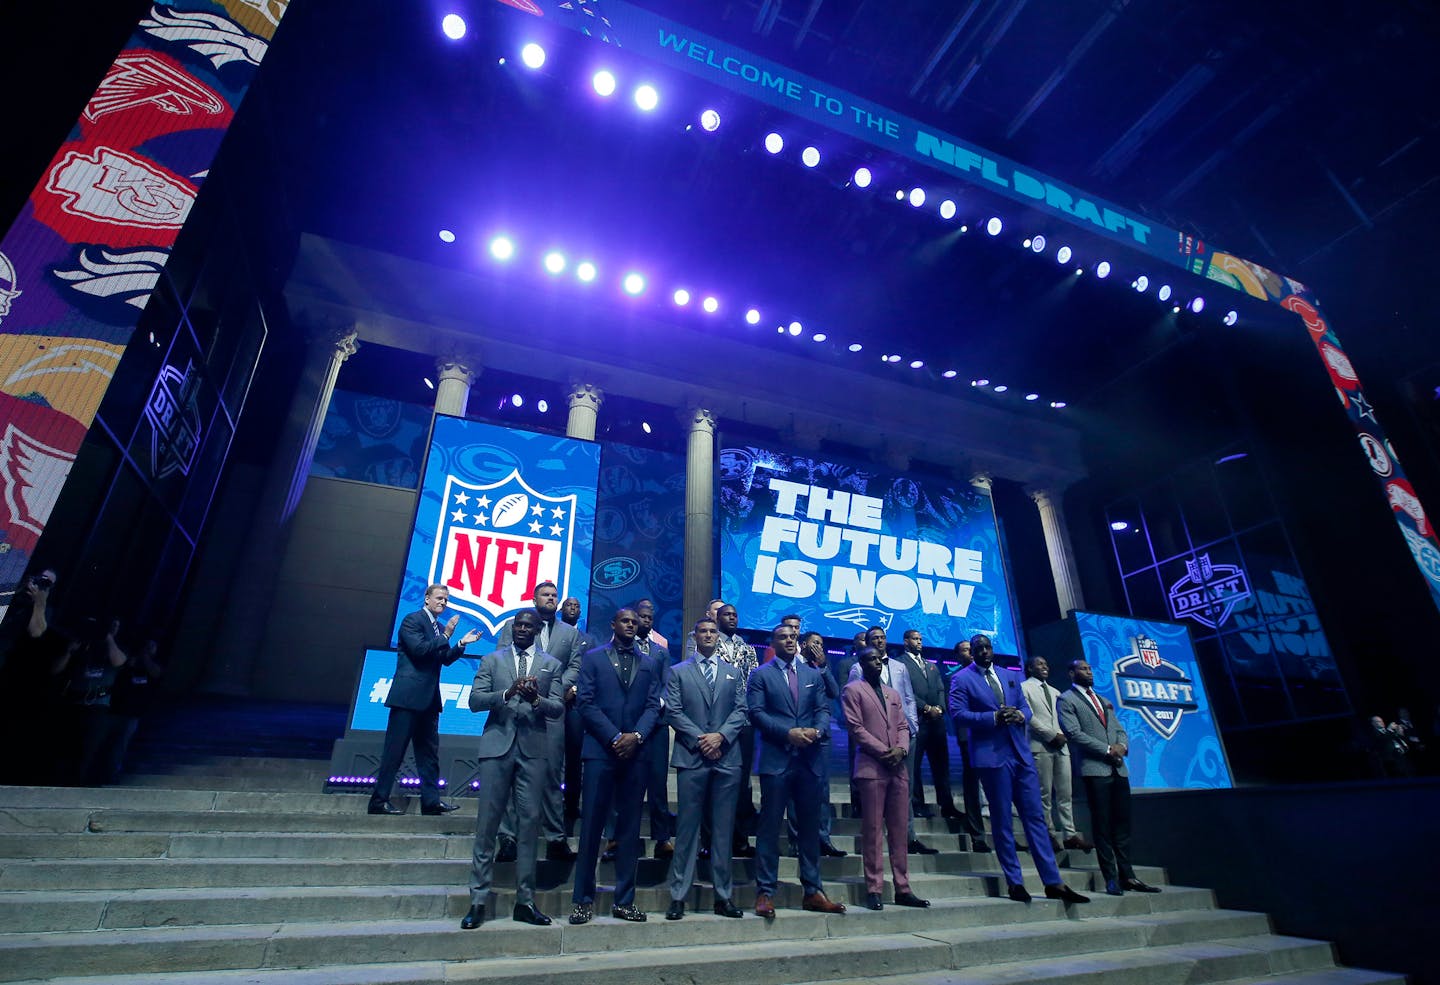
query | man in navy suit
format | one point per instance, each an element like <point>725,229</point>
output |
<point>988,700</point>
<point>618,694</point>
<point>790,709</point>
<point>414,702</point>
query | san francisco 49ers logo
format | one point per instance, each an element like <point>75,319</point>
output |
<point>496,542</point>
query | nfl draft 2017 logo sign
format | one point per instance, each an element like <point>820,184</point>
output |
<point>1154,687</point>
<point>1209,592</point>
<point>496,542</point>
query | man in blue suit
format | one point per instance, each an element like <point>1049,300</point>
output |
<point>414,702</point>
<point>791,713</point>
<point>988,700</point>
<point>618,694</point>
<point>705,705</point>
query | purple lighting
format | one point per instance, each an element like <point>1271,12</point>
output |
<point>454,26</point>
<point>711,305</point>
<point>647,98</point>
<point>862,178</point>
<point>502,248</point>
<point>554,261</point>
<point>682,297</point>
<point>585,271</point>
<point>710,120</point>
<point>532,55</point>
<point>603,83</point>
<point>752,316</point>
<point>634,284</point>
<point>446,236</point>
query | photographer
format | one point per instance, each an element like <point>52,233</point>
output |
<point>131,699</point>
<point>29,698</point>
<point>89,668</point>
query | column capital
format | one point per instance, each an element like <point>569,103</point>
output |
<point>458,364</point>
<point>1043,496</point>
<point>585,395</point>
<point>982,480</point>
<point>331,335</point>
<point>698,419</point>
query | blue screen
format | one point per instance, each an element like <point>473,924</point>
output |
<point>456,718</point>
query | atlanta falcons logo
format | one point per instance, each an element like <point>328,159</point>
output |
<point>143,79</point>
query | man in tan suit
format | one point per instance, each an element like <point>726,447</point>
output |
<point>1052,755</point>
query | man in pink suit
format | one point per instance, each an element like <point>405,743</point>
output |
<point>876,719</point>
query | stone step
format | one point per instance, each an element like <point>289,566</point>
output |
<point>700,948</point>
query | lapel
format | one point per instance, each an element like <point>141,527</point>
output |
<point>1084,700</point>
<point>984,686</point>
<point>884,712</point>
<point>615,663</point>
<point>504,673</point>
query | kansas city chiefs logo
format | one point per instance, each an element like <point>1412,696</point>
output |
<point>495,543</point>
<point>1153,686</point>
<point>145,80</point>
<point>113,187</point>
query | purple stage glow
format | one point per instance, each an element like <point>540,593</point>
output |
<point>646,97</point>
<point>454,26</point>
<point>603,82</point>
<point>502,248</point>
<point>555,262</point>
<point>682,297</point>
<point>586,271</point>
<point>532,55</point>
<point>711,305</point>
<point>634,284</point>
<point>753,316</point>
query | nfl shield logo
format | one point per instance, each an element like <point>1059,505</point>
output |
<point>496,542</point>
<point>1148,650</point>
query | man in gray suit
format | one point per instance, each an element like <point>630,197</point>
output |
<point>520,689</point>
<point>705,705</point>
<point>1094,730</point>
<point>566,644</point>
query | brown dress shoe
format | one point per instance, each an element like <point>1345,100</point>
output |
<point>764,906</point>
<point>820,903</point>
<point>1078,842</point>
<point>665,849</point>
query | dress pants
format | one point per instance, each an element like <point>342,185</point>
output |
<point>933,744</point>
<point>798,783</point>
<point>656,753</point>
<point>1109,799</point>
<point>826,810</point>
<point>885,804</point>
<point>547,797</point>
<point>511,779</point>
<point>1053,765</point>
<point>970,788</point>
<point>1018,783</point>
<point>704,793</point>
<point>607,782</point>
<point>420,730</point>
<point>574,737</point>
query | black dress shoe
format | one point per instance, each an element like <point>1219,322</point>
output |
<point>439,809</point>
<point>527,913</point>
<point>676,911</point>
<point>727,908</point>
<point>1112,888</point>
<point>582,913</point>
<point>1018,893</point>
<point>474,917</point>
<point>631,913</point>
<point>979,845</point>
<point>386,808</point>
<point>559,851</point>
<point>743,849</point>
<point>918,847</point>
<point>910,899</point>
<point>951,814</point>
<point>506,852</point>
<point>872,902</point>
<point>830,851</point>
<point>1064,894</point>
<point>1136,886</point>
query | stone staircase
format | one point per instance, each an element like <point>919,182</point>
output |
<point>235,870</point>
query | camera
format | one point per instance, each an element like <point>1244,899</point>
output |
<point>43,582</point>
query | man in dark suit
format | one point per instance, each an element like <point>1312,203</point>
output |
<point>657,745</point>
<point>791,714</point>
<point>987,699</point>
<point>519,687</point>
<point>562,641</point>
<point>574,732</point>
<point>930,741</point>
<point>618,694</point>
<point>414,702</point>
<point>1100,741</point>
<point>705,705</point>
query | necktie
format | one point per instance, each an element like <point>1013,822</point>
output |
<point>435,625</point>
<point>995,686</point>
<point>794,679</point>
<point>1049,699</point>
<point>1099,709</point>
<point>708,666</point>
<point>545,636</point>
<point>520,656</point>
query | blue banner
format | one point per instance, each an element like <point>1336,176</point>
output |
<point>500,510</point>
<point>1148,669</point>
<point>372,439</point>
<point>456,718</point>
<point>848,547</point>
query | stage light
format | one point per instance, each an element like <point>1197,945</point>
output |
<point>796,328</point>
<point>517,400</point>
<point>532,55</point>
<point>645,426</point>
<point>1231,317</point>
<point>454,26</point>
<point>711,305</point>
<point>634,284</point>
<point>603,82</point>
<point>446,236</point>
<point>862,177</point>
<point>964,229</point>
<point>585,270</point>
<point>1164,292</point>
<point>980,382</point>
<point>819,337</point>
<point>774,143</point>
<point>710,120</point>
<point>501,248</point>
<point>543,406</point>
<point>647,98</point>
<point>947,209</point>
<point>1063,255</point>
<point>780,329</point>
<point>810,156</point>
<point>1102,269</point>
<point>555,262</point>
<point>949,374</point>
<point>899,194</point>
<point>1032,396</point>
<point>752,316</point>
<point>894,358</point>
<point>1026,244</point>
<point>428,383</point>
<point>1037,244</point>
<point>1119,525</point>
<point>1079,271</point>
<point>1175,310</point>
<point>1198,305</point>
<point>1001,388</point>
<point>917,197</point>
<point>682,297</point>
<point>917,363</point>
<point>856,347</point>
<point>1057,404</point>
<point>1141,284</point>
<point>994,226</point>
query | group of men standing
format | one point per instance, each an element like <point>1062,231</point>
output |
<point>624,698</point>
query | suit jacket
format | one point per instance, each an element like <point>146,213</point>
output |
<point>422,653</point>
<point>607,707</point>
<point>1044,721</point>
<point>566,644</point>
<point>875,728</point>
<point>900,681</point>
<point>1091,737</point>
<point>516,721</point>
<point>929,686</point>
<point>774,713</point>
<point>973,706</point>
<point>693,708</point>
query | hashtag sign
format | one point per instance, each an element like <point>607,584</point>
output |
<point>381,690</point>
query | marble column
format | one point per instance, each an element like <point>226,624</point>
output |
<point>455,375</point>
<point>1062,556</point>
<point>699,513</point>
<point>247,608</point>
<point>585,401</point>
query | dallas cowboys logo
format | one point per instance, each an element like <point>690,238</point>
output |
<point>1154,687</point>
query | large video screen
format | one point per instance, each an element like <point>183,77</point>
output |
<point>848,546</point>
